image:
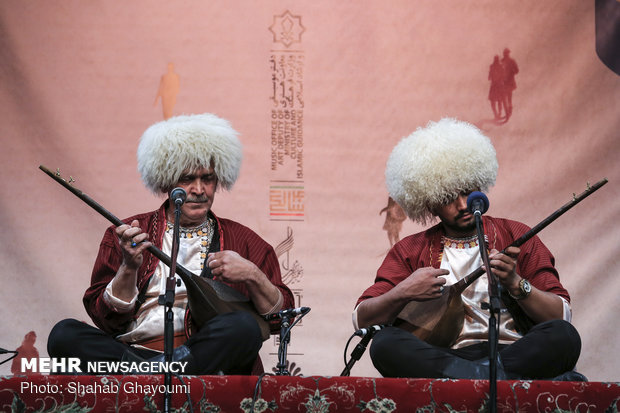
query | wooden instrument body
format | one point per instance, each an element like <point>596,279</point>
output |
<point>208,298</point>
<point>438,321</point>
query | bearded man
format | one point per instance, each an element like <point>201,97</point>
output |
<point>430,175</point>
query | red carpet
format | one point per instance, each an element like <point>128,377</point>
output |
<point>298,394</point>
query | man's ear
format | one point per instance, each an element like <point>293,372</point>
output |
<point>165,193</point>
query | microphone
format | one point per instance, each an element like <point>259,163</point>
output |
<point>477,203</point>
<point>291,312</point>
<point>178,196</point>
<point>369,330</point>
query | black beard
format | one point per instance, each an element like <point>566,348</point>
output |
<point>465,230</point>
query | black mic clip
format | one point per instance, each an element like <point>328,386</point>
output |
<point>288,313</point>
<point>362,332</point>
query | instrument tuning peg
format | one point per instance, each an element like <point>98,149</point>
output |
<point>574,196</point>
<point>60,176</point>
<point>71,180</point>
<point>588,185</point>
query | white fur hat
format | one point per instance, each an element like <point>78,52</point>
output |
<point>186,143</point>
<point>435,164</point>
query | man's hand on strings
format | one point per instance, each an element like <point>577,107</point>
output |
<point>229,266</point>
<point>504,266</point>
<point>424,284</point>
<point>133,242</point>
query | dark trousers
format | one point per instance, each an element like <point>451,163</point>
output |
<point>546,351</point>
<point>228,343</point>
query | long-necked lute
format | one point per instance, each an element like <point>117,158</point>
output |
<point>206,297</point>
<point>440,321</point>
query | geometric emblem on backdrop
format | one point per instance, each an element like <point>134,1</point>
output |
<point>287,29</point>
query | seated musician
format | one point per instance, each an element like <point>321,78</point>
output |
<point>198,153</point>
<point>430,174</point>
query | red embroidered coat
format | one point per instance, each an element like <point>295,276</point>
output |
<point>233,236</point>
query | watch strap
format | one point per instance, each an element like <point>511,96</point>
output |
<point>524,290</point>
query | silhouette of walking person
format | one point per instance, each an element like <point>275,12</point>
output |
<point>496,89</point>
<point>510,70</point>
<point>169,86</point>
<point>394,217</point>
<point>26,351</point>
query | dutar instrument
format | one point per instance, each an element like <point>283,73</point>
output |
<point>206,297</point>
<point>440,321</point>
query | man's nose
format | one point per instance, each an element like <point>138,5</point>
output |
<point>196,187</point>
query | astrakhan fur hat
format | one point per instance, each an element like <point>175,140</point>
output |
<point>433,165</point>
<point>186,143</point>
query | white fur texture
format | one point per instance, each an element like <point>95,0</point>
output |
<point>433,165</point>
<point>186,143</point>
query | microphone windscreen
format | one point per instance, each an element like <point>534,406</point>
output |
<point>178,194</point>
<point>480,198</point>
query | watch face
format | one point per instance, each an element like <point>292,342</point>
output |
<point>526,287</point>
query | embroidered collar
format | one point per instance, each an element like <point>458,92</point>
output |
<point>461,243</point>
<point>204,229</point>
<point>204,232</point>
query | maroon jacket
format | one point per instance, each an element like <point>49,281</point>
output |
<point>424,249</point>
<point>233,236</point>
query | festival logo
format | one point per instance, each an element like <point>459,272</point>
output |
<point>287,193</point>
<point>287,29</point>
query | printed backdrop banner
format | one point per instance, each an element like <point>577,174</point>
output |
<point>320,91</point>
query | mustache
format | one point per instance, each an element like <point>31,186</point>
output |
<point>197,200</point>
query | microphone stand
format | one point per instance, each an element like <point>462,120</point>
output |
<point>285,338</point>
<point>285,334</point>
<point>168,301</point>
<point>357,352</point>
<point>494,313</point>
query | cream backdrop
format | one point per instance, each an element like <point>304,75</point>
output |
<point>327,88</point>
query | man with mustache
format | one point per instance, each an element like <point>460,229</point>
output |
<point>198,153</point>
<point>430,175</point>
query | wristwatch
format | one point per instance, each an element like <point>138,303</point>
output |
<point>525,287</point>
